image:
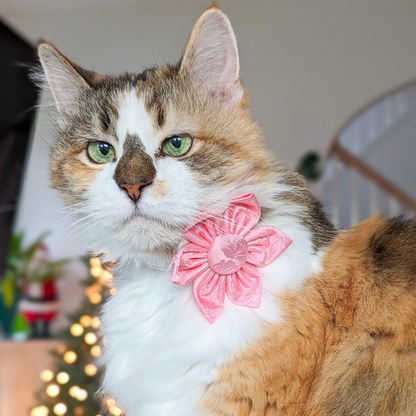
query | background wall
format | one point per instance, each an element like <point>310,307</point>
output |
<point>309,65</point>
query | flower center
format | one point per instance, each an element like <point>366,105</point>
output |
<point>227,253</point>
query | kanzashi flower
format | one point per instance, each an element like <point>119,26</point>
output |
<point>222,256</point>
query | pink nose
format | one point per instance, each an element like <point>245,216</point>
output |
<point>133,191</point>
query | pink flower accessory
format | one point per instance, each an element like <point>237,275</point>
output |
<point>222,256</point>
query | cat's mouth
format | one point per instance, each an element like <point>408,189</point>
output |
<point>141,217</point>
<point>138,213</point>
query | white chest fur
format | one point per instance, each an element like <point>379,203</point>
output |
<point>162,353</point>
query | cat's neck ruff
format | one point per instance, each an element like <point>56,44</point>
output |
<point>159,341</point>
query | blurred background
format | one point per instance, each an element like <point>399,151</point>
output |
<point>333,85</point>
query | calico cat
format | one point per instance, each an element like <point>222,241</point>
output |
<point>323,326</point>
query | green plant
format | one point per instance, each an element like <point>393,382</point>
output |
<point>310,166</point>
<point>20,269</point>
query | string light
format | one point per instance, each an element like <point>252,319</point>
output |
<point>90,338</point>
<point>52,390</point>
<point>95,298</point>
<point>95,322</point>
<point>73,391</point>
<point>62,377</point>
<point>90,370</point>
<point>79,411</point>
<point>60,409</point>
<point>81,395</point>
<point>96,351</point>
<point>77,330</point>
<point>85,321</point>
<point>116,411</point>
<point>70,357</point>
<point>62,349</point>
<point>105,277</point>
<point>96,271</point>
<point>78,393</point>
<point>113,291</point>
<point>95,262</point>
<point>46,375</point>
<point>95,288</point>
<point>39,411</point>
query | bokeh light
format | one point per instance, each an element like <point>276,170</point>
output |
<point>62,377</point>
<point>81,395</point>
<point>96,351</point>
<point>105,277</point>
<point>77,330</point>
<point>61,349</point>
<point>70,357</point>
<point>60,409</point>
<point>95,322</point>
<point>90,370</point>
<point>96,271</point>
<point>85,321</point>
<point>46,375</point>
<point>95,298</point>
<point>73,391</point>
<point>79,411</point>
<point>116,411</point>
<point>39,411</point>
<point>95,262</point>
<point>90,338</point>
<point>52,390</point>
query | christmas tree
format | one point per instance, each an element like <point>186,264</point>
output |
<point>70,388</point>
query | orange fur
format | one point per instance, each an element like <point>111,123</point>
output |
<point>348,342</point>
<point>160,189</point>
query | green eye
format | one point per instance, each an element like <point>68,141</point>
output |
<point>101,152</point>
<point>177,145</point>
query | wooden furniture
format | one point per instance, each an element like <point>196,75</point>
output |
<point>20,366</point>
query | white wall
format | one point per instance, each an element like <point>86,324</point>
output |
<point>309,64</point>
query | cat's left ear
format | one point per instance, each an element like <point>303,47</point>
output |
<point>211,56</point>
<point>66,80</point>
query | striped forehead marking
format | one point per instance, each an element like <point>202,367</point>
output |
<point>135,120</point>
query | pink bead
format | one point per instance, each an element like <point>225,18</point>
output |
<point>227,253</point>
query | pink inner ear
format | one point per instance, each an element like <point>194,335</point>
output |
<point>212,56</point>
<point>229,75</point>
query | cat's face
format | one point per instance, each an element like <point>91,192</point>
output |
<point>142,155</point>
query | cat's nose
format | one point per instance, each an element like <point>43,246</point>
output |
<point>134,190</point>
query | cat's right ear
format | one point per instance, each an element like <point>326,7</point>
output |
<point>211,56</point>
<point>65,81</point>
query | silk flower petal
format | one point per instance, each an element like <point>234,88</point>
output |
<point>244,287</point>
<point>265,244</point>
<point>209,294</point>
<point>242,215</point>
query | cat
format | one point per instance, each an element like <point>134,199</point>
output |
<point>142,157</point>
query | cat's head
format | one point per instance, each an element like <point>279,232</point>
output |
<point>141,155</point>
